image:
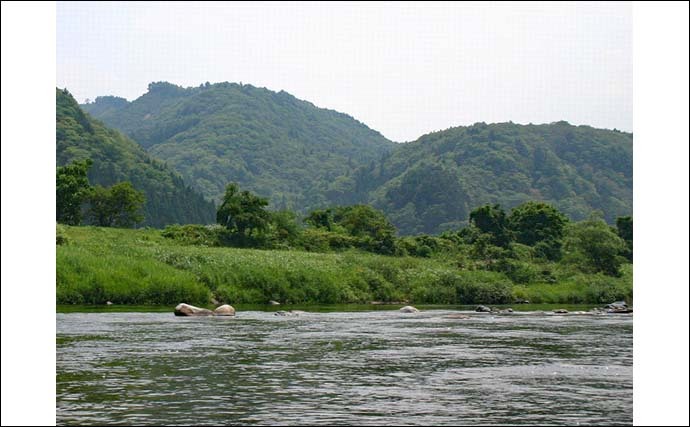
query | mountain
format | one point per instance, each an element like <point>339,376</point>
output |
<point>117,158</point>
<point>433,183</point>
<point>269,142</point>
<point>303,157</point>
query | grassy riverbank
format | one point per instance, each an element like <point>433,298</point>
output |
<point>95,265</point>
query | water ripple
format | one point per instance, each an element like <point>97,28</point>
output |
<point>364,368</point>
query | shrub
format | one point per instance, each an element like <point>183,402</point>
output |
<point>194,234</point>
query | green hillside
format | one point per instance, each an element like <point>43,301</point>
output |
<point>303,157</point>
<point>428,185</point>
<point>117,158</point>
<point>269,142</point>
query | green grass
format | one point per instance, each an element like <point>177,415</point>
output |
<point>140,267</point>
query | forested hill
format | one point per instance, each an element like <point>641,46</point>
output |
<point>302,157</point>
<point>117,158</point>
<point>431,184</point>
<point>269,142</point>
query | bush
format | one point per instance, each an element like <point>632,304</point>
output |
<point>194,234</point>
<point>60,235</point>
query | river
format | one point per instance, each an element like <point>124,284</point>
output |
<point>377,367</point>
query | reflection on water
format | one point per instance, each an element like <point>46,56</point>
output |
<point>364,368</point>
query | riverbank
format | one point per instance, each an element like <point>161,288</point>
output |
<point>141,267</point>
<point>328,308</point>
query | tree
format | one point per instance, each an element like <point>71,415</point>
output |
<point>594,247</point>
<point>284,226</point>
<point>320,218</point>
<point>116,206</point>
<point>492,220</point>
<point>368,224</point>
<point>72,188</point>
<point>624,229</point>
<point>242,212</point>
<point>540,225</point>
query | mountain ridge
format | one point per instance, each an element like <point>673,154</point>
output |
<point>303,157</point>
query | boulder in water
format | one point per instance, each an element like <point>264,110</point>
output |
<point>482,309</point>
<point>618,307</point>
<point>224,310</point>
<point>409,309</point>
<point>561,311</point>
<point>190,310</point>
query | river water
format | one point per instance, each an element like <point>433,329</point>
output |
<point>365,368</point>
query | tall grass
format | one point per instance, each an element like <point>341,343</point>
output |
<point>96,265</point>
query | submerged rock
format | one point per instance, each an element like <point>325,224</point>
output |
<point>190,310</point>
<point>409,309</point>
<point>482,309</point>
<point>561,311</point>
<point>457,316</point>
<point>224,310</point>
<point>618,307</point>
<point>506,311</point>
<point>290,313</point>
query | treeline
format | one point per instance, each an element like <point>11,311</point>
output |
<point>119,205</point>
<point>115,158</point>
<point>524,244</point>
<point>304,158</point>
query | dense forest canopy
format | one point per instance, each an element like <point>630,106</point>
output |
<point>303,158</point>
<point>427,186</point>
<point>117,159</point>
<point>270,142</point>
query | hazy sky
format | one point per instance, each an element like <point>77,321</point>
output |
<point>402,69</point>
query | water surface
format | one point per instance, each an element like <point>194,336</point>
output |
<point>361,367</point>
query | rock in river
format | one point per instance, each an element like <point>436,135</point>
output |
<point>482,309</point>
<point>291,313</point>
<point>409,309</point>
<point>189,310</point>
<point>224,310</point>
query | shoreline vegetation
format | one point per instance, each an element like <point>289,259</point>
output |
<point>398,230</point>
<point>165,267</point>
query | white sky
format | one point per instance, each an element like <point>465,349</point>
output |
<point>402,69</point>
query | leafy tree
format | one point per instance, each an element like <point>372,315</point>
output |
<point>242,212</point>
<point>370,225</point>
<point>320,218</point>
<point>624,229</point>
<point>72,187</point>
<point>594,247</point>
<point>284,226</point>
<point>540,225</point>
<point>492,220</point>
<point>483,249</point>
<point>116,206</point>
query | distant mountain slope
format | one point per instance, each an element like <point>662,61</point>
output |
<point>304,157</point>
<point>432,184</point>
<point>117,158</point>
<point>269,142</point>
